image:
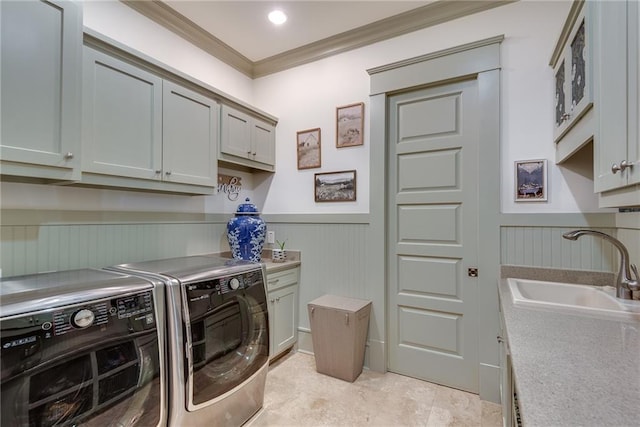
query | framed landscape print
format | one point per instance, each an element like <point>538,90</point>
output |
<point>531,181</point>
<point>308,146</point>
<point>335,186</point>
<point>349,125</point>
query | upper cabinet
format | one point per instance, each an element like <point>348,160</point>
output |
<point>122,123</point>
<point>190,127</point>
<point>137,125</point>
<point>617,98</point>
<point>247,140</point>
<point>41,49</point>
<point>572,64</point>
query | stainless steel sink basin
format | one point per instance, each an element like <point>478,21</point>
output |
<point>572,298</point>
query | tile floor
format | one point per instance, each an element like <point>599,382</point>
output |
<point>296,395</point>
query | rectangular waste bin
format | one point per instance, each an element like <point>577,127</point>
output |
<point>339,329</point>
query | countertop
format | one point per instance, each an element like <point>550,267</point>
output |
<point>292,260</point>
<point>274,267</point>
<point>572,369</point>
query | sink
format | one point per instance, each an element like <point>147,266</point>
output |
<point>572,298</point>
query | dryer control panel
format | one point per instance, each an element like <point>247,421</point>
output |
<point>205,295</point>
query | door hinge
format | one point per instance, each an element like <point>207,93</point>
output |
<point>472,271</point>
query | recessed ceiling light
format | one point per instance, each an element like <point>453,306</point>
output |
<point>277,17</point>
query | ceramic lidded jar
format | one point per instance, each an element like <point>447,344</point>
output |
<point>246,233</point>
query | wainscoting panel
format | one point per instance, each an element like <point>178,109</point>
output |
<point>544,246</point>
<point>26,249</point>
<point>334,260</point>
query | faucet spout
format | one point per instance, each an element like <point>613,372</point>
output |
<point>627,278</point>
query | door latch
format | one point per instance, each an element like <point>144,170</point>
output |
<point>472,271</point>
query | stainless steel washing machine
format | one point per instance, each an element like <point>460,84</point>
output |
<point>218,333</point>
<point>82,347</point>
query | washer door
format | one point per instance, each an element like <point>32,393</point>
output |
<point>228,345</point>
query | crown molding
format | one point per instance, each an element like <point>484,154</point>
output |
<point>426,16</point>
<point>173,21</point>
<point>413,20</point>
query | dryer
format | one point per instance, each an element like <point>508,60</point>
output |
<point>218,332</point>
<point>82,347</point>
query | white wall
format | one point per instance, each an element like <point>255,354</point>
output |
<point>306,97</point>
<point>121,23</point>
<point>52,197</point>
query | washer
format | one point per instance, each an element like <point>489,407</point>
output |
<point>82,347</point>
<point>218,334</point>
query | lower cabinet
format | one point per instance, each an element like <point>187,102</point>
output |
<point>508,394</point>
<point>282,290</point>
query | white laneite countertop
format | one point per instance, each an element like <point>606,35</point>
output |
<point>571,369</point>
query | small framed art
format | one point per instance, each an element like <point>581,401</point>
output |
<point>349,125</point>
<point>335,186</point>
<point>308,146</point>
<point>531,180</point>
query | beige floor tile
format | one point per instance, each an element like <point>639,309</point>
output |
<point>296,395</point>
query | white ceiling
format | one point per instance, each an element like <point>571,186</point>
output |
<point>243,24</point>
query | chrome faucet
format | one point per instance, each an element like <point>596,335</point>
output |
<point>625,283</point>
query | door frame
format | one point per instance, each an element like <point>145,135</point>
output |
<point>479,60</point>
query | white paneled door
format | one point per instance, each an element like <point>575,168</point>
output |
<point>433,234</point>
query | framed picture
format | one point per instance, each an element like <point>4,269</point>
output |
<point>531,181</point>
<point>308,143</point>
<point>335,186</point>
<point>349,125</point>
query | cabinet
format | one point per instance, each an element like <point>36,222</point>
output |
<point>572,64</point>
<point>282,290</point>
<point>617,147</point>
<point>137,125</point>
<point>506,378</point>
<point>41,65</point>
<point>247,140</point>
<point>189,136</point>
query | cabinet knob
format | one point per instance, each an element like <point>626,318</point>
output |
<point>278,299</point>
<point>158,172</point>
<point>623,165</point>
<point>68,156</point>
<point>167,173</point>
<point>500,339</point>
<point>565,117</point>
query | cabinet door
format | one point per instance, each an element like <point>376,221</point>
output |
<point>633,115</point>
<point>263,139</point>
<point>190,135</point>
<point>122,123</point>
<point>284,319</point>
<point>236,133</point>
<point>573,74</point>
<point>611,93</point>
<point>41,55</point>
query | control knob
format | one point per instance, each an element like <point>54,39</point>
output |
<point>234,283</point>
<point>82,318</point>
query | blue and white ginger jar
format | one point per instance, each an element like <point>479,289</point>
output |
<point>246,233</point>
